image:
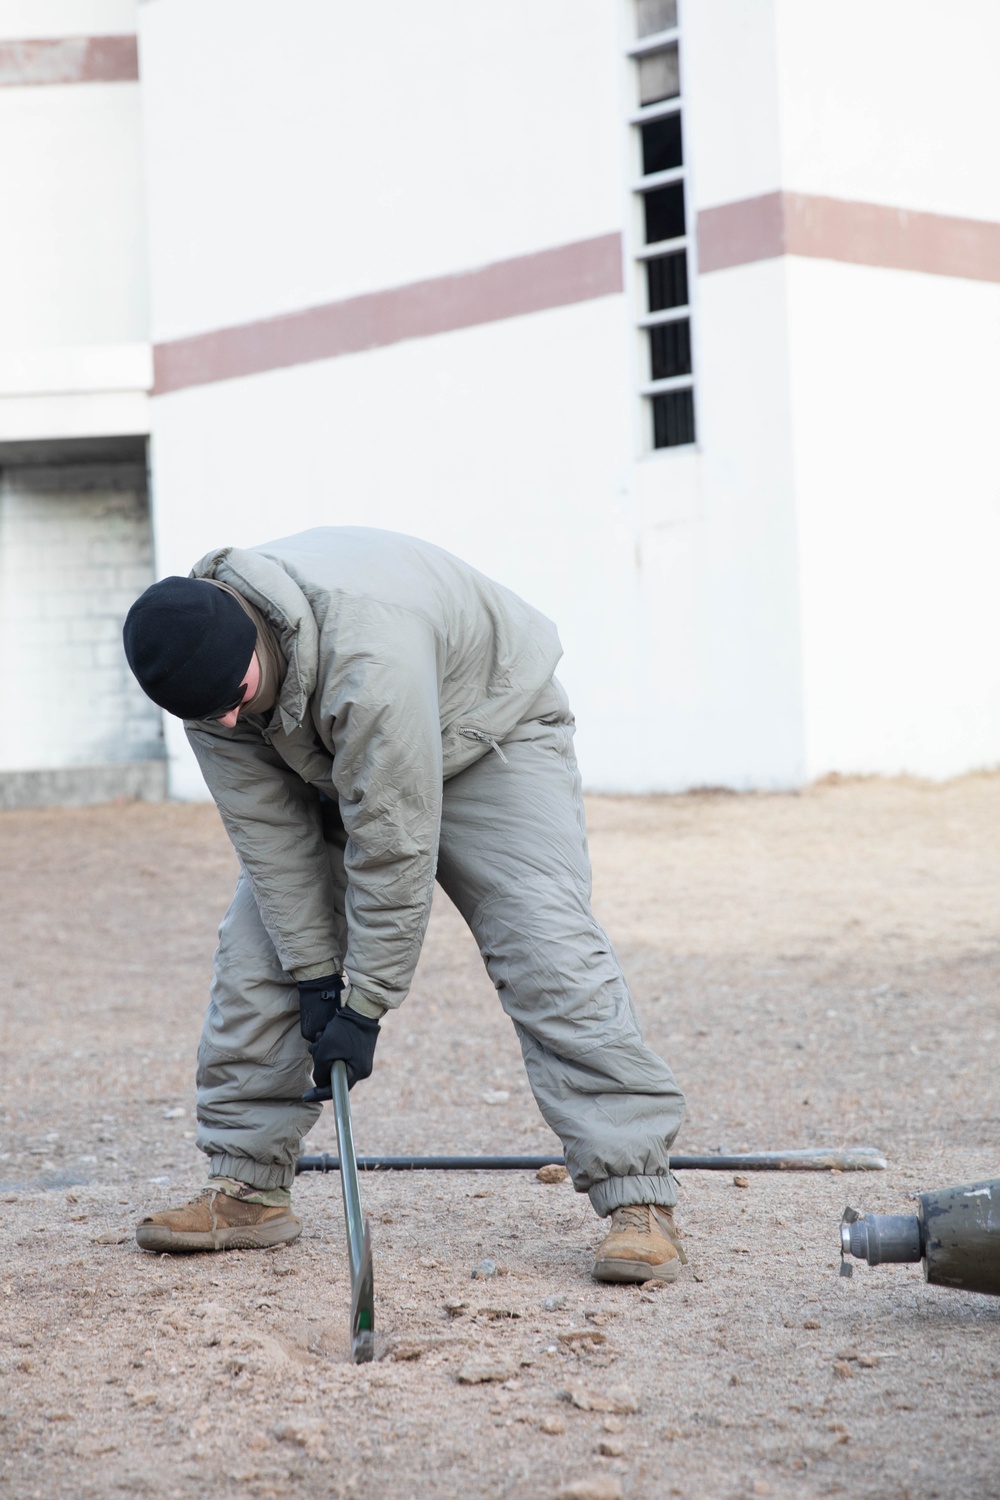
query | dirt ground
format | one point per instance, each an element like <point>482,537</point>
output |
<point>820,969</point>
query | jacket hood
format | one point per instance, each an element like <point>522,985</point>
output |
<point>285,606</point>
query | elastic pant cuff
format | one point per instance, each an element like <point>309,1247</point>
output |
<point>269,1197</point>
<point>258,1174</point>
<point>623,1192</point>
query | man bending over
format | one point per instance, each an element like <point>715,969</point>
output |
<point>371,714</point>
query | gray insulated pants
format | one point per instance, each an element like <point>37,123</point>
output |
<point>513,858</point>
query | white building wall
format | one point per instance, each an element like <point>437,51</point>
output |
<point>896,391</point>
<point>889,455</point>
<point>63,18</point>
<point>700,593</point>
<point>74,293</point>
<point>300,157</point>
<point>890,101</point>
<point>72,258</point>
<point>896,387</point>
<point>719,598</point>
<point>731,99</point>
<point>515,444</point>
<point>75,373</point>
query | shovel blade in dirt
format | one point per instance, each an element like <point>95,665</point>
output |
<point>363,1308</point>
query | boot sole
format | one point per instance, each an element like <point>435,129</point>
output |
<point>166,1241</point>
<point>634,1271</point>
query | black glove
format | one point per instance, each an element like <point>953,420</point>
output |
<point>318,1001</point>
<point>349,1037</point>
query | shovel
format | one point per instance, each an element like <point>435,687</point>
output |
<point>359,1239</point>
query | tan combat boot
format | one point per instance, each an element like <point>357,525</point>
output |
<point>236,1217</point>
<point>640,1246</point>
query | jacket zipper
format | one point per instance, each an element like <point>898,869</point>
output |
<point>485,739</point>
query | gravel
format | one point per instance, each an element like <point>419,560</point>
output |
<point>821,969</point>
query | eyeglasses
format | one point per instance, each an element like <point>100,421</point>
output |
<point>220,713</point>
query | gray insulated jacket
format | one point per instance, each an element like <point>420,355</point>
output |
<point>404,665</point>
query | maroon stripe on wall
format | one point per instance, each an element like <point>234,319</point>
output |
<point>734,234</point>
<point>69,59</point>
<point>864,234</point>
<point>507,289</point>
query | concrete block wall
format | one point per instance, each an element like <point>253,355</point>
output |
<point>75,551</point>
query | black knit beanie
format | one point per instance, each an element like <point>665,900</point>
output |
<point>189,645</point>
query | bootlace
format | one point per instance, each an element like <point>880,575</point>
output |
<point>199,1198</point>
<point>215,1218</point>
<point>633,1216</point>
<point>208,1196</point>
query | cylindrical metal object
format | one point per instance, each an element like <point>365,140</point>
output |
<point>327,1163</point>
<point>358,1233</point>
<point>961,1233</point>
<point>881,1238</point>
<point>349,1176</point>
<point>852,1159</point>
<point>955,1232</point>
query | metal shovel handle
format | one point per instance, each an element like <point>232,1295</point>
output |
<point>358,1233</point>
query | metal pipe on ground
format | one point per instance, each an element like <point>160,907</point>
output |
<point>852,1159</point>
